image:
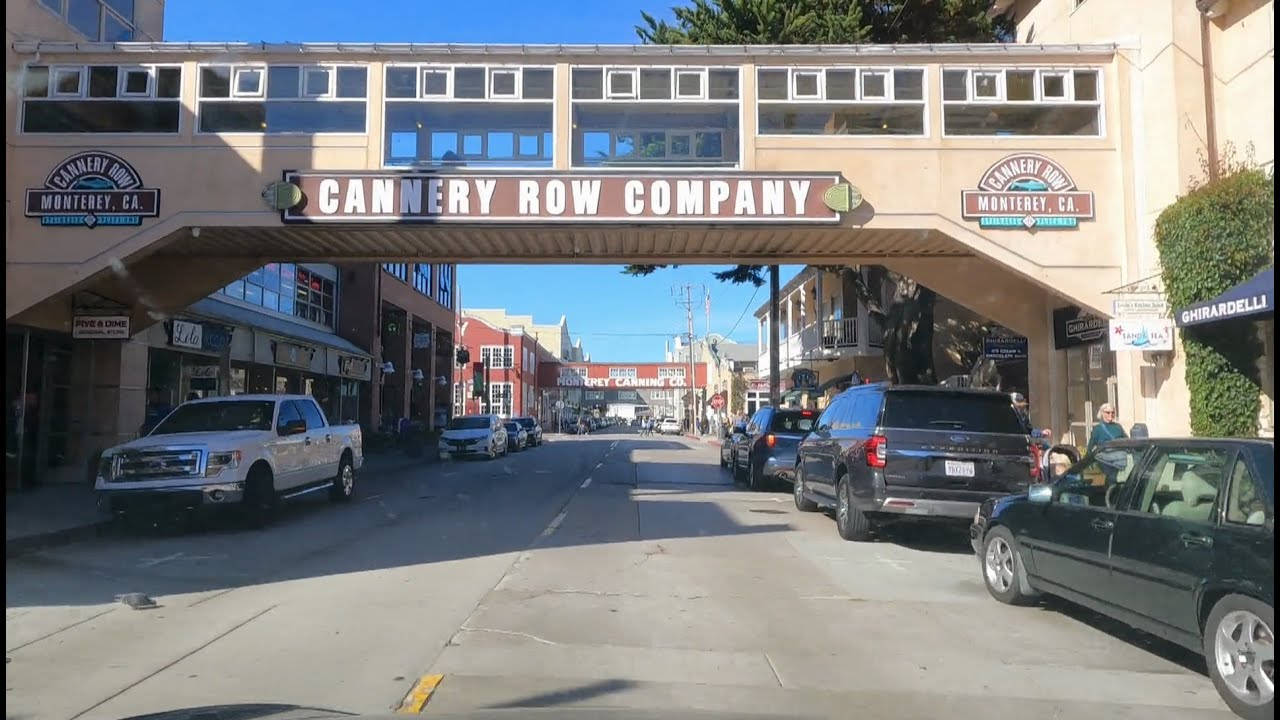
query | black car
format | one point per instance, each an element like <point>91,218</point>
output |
<point>764,448</point>
<point>1175,537</point>
<point>891,452</point>
<point>533,428</point>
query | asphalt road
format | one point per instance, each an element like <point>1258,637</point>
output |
<point>604,571</point>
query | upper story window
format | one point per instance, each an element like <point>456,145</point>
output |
<point>304,292</point>
<point>628,373</point>
<point>671,372</point>
<point>422,279</point>
<point>1022,101</point>
<point>841,101</point>
<point>498,357</point>
<point>468,116</point>
<point>655,116</point>
<point>279,99</point>
<point>98,20</point>
<point>399,270</point>
<point>101,98</point>
<point>444,296</point>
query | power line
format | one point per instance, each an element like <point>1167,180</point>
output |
<point>729,335</point>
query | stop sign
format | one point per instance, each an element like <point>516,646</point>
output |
<point>717,401</point>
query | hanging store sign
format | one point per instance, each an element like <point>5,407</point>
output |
<point>1140,308</point>
<point>804,379</point>
<point>90,189</point>
<point>353,366</point>
<point>1146,335</point>
<point>293,355</point>
<point>612,198</point>
<point>187,334</point>
<point>100,327</point>
<point>1073,326</point>
<point>1026,190</point>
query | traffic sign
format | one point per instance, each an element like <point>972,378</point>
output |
<point>717,401</point>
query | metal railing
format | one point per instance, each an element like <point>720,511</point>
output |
<point>840,333</point>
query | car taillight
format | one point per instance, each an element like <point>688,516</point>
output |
<point>877,451</point>
<point>1035,461</point>
<point>770,439</point>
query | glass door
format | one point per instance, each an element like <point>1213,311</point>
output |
<point>1091,381</point>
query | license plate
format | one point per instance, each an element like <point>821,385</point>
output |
<point>958,468</point>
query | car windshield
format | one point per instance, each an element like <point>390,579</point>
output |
<point>972,411</point>
<point>512,426</point>
<point>469,423</point>
<point>790,421</point>
<point>528,423</point>
<point>222,415</point>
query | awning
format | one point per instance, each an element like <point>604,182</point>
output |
<point>1255,296</point>
<point>218,310</point>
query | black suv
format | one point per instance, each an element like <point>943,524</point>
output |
<point>533,427</point>
<point>884,452</point>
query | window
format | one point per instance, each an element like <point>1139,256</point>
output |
<point>1182,482</point>
<point>445,291</point>
<point>841,100</point>
<point>500,398</point>
<point>398,270</point>
<point>101,99</point>
<point>1098,480</point>
<point>498,357</point>
<point>313,297</point>
<point>647,116</point>
<point>458,400</point>
<point>1245,502</point>
<point>98,20</point>
<point>288,413</point>
<point>310,413</point>
<point>283,99</point>
<point>422,279</point>
<point>1022,101</point>
<point>671,372</point>
<point>622,373</point>
<point>464,115</point>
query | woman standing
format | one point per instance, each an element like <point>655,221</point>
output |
<point>1107,428</point>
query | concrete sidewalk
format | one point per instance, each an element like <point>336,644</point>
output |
<point>51,515</point>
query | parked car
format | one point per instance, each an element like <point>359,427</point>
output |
<point>474,435</point>
<point>517,437</point>
<point>765,450</point>
<point>732,436</point>
<point>249,451</point>
<point>533,428</point>
<point>1175,537</point>
<point>669,426</point>
<point>891,452</point>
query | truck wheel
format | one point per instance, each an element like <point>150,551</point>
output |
<point>1002,570</point>
<point>755,477</point>
<point>803,504</point>
<point>259,498</point>
<point>1239,648</point>
<point>344,483</point>
<point>851,522</point>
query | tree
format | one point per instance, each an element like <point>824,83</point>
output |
<point>908,317</point>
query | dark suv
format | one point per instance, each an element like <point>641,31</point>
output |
<point>765,448</point>
<point>884,452</point>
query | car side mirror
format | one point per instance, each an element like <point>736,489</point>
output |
<point>1040,493</point>
<point>293,427</point>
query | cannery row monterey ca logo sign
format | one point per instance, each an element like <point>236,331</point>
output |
<point>90,189</point>
<point>551,198</point>
<point>1027,190</point>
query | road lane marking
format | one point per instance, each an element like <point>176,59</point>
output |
<point>419,694</point>
<point>555,523</point>
<point>586,482</point>
<point>150,562</point>
<point>541,472</point>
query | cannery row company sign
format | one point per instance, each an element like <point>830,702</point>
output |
<point>552,198</point>
<point>91,189</point>
<point>1026,190</point>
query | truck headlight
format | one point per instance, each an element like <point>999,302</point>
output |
<point>221,461</point>
<point>107,467</point>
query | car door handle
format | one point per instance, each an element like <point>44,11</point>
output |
<point>307,441</point>
<point>328,438</point>
<point>1101,524</point>
<point>1195,540</point>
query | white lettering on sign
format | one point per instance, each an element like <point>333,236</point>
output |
<point>384,192</point>
<point>773,198</point>
<point>1244,306</point>
<point>528,197</point>
<point>187,334</point>
<point>744,203</point>
<point>411,196</point>
<point>459,200</point>
<point>632,197</point>
<point>485,189</point>
<point>355,198</point>
<point>688,197</point>
<point>556,202</point>
<point>800,193</point>
<point>575,380</point>
<point>586,197</point>
<point>328,196</point>
<point>719,193</point>
<point>660,197</point>
<point>435,196</point>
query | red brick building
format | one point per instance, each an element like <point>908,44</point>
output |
<point>621,388</point>
<point>512,359</point>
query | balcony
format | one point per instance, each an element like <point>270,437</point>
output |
<point>840,333</point>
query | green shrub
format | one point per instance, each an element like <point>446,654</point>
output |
<point>1214,237</point>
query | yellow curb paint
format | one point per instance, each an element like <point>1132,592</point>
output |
<point>419,695</point>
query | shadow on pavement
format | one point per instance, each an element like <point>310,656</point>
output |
<point>578,694</point>
<point>945,537</point>
<point>1160,647</point>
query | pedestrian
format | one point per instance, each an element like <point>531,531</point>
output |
<point>1107,428</point>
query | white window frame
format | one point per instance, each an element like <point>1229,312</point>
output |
<point>628,373</point>
<point>491,72</point>
<point>701,74</point>
<point>671,372</point>
<point>500,395</point>
<point>505,353</point>
<point>973,86</point>
<point>886,73</point>
<point>1035,87</point>
<point>303,70</point>
<point>671,136</point>
<point>237,71</point>
<point>1068,87</point>
<point>820,79</point>
<point>610,73</point>
<point>304,76</point>
<point>421,90</point>
<point>122,83</point>
<point>81,72</point>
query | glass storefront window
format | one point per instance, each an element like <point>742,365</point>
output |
<point>238,380</point>
<point>288,289</point>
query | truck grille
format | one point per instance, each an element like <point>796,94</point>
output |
<point>156,464</point>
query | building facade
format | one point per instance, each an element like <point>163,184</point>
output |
<point>509,358</point>
<point>626,390</point>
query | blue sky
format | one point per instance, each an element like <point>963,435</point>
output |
<point>617,317</point>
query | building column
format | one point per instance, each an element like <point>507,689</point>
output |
<point>431,378</point>
<point>406,396</point>
<point>1047,378</point>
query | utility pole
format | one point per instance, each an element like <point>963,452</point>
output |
<point>775,394</point>
<point>687,303</point>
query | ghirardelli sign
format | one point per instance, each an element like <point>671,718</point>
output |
<point>567,197</point>
<point>1027,191</point>
<point>93,188</point>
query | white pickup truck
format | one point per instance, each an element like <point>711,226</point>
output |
<point>245,450</point>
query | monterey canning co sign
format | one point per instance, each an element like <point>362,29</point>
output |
<point>554,198</point>
<point>1027,190</point>
<point>91,189</point>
